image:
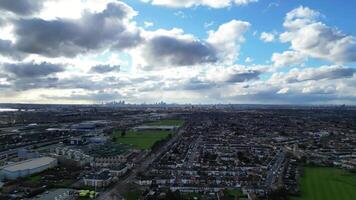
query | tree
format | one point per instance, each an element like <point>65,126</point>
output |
<point>123,133</point>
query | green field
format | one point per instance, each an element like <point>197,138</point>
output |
<point>327,184</point>
<point>133,195</point>
<point>233,194</point>
<point>141,139</point>
<point>166,122</point>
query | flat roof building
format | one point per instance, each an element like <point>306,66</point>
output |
<point>155,128</point>
<point>27,167</point>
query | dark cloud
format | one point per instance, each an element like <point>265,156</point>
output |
<point>105,68</point>
<point>32,70</point>
<point>240,77</point>
<point>2,22</point>
<point>21,7</point>
<point>167,50</point>
<point>27,76</point>
<point>22,84</point>
<point>7,49</point>
<point>232,76</point>
<point>196,84</point>
<point>65,37</point>
<point>316,74</point>
<point>334,73</point>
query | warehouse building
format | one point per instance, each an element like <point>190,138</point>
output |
<point>155,128</point>
<point>27,167</point>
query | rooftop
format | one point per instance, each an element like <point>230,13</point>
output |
<point>28,164</point>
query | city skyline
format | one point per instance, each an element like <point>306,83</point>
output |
<point>186,52</point>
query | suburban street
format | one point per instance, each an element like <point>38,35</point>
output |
<point>114,193</point>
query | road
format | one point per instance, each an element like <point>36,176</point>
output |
<point>273,172</point>
<point>114,194</point>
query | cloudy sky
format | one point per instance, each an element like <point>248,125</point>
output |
<point>178,51</point>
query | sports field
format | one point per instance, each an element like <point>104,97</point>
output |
<point>141,139</point>
<point>327,184</point>
<point>166,122</point>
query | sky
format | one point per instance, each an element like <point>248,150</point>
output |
<point>178,51</point>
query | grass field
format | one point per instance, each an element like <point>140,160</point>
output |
<point>166,122</point>
<point>141,139</point>
<point>327,184</point>
<point>133,195</point>
<point>233,194</point>
<point>34,178</point>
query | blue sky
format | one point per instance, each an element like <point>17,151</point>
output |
<point>264,16</point>
<point>192,51</point>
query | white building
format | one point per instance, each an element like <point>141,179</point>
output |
<point>27,167</point>
<point>101,179</point>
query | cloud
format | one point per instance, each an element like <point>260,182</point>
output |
<point>233,74</point>
<point>109,29</point>
<point>148,24</point>
<point>219,77</point>
<point>32,70</point>
<point>267,37</point>
<point>227,39</point>
<point>8,49</point>
<point>300,17</point>
<point>248,60</point>
<point>21,7</point>
<point>180,14</point>
<point>208,24</point>
<point>314,39</point>
<point>288,58</point>
<point>193,3</point>
<point>163,48</point>
<point>313,74</point>
<point>89,96</point>
<point>177,50</point>
<point>105,68</point>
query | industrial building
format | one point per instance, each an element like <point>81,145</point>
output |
<point>155,128</point>
<point>27,167</point>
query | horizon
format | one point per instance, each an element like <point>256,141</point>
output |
<point>164,104</point>
<point>231,52</point>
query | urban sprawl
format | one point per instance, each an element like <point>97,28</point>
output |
<point>159,151</point>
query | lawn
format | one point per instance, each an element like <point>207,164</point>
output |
<point>133,195</point>
<point>66,183</point>
<point>327,184</point>
<point>141,139</point>
<point>233,194</point>
<point>34,178</point>
<point>166,122</point>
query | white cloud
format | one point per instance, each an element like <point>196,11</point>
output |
<point>180,14</point>
<point>248,60</point>
<point>192,3</point>
<point>314,39</point>
<point>148,24</point>
<point>288,58</point>
<point>283,91</point>
<point>72,9</point>
<point>208,24</point>
<point>227,39</point>
<point>267,37</point>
